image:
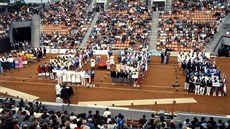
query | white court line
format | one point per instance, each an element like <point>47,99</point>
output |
<point>140,102</point>
<point>100,87</point>
<point>19,94</point>
<point>101,83</point>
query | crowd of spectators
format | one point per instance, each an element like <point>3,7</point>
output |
<point>202,76</point>
<point>125,24</point>
<point>24,14</point>
<point>64,24</point>
<point>191,24</point>
<point>205,123</point>
<point>34,115</point>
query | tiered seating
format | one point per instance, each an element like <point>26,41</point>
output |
<point>65,24</point>
<point>49,29</point>
<point>124,24</point>
<point>6,18</point>
<point>189,27</point>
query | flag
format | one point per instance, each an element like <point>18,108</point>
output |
<point>224,84</point>
<point>139,79</point>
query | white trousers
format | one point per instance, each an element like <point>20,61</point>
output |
<point>202,90</point>
<point>197,89</point>
<point>83,81</point>
<point>208,90</point>
<point>186,85</point>
<point>214,91</point>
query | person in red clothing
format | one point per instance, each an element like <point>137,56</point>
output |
<point>79,125</point>
<point>39,70</point>
<point>47,70</point>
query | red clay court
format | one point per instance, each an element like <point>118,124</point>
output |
<point>156,85</point>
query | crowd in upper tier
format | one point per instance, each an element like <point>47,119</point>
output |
<point>125,24</point>
<point>191,24</point>
<point>64,24</point>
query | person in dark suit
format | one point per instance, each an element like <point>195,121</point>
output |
<point>191,85</point>
<point>113,76</point>
<point>162,57</point>
<point>65,94</point>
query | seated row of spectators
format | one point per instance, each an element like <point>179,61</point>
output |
<point>205,124</point>
<point>24,14</point>
<point>34,115</point>
<point>124,24</point>
<point>191,24</point>
<point>64,24</point>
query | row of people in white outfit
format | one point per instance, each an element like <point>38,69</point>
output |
<point>75,77</point>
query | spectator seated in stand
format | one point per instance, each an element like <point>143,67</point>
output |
<point>190,25</point>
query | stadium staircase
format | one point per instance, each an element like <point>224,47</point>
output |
<point>150,6</point>
<point>84,41</point>
<point>90,7</point>
<point>107,5</point>
<point>168,6</point>
<point>222,29</point>
<point>153,37</point>
<point>36,31</point>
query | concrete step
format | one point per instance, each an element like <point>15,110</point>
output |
<point>84,41</point>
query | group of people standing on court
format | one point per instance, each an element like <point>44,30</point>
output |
<point>165,56</point>
<point>131,68</point>
<point>202,77</point>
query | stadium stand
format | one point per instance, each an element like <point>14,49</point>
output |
<point>6,18</point>
<point>64,24</point>
<point>125,24</point>
<point>190,26</point>
<point>19,113</point>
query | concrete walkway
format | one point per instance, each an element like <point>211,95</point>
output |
<point>18,94</point>
<point>84,41</point>
<point>139,102</point>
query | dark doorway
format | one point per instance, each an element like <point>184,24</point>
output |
<point>21,38</point>
<point>22,34</point>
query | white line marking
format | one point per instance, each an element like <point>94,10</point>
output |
<point>19,94</point>
<point>139,102</point>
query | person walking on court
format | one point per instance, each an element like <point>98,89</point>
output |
<point>65,95</point>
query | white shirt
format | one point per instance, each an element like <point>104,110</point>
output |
<point>106,113</point>
<point>72,126</point>
<point>85,127</point>
<point>59,100</point>
<point>58,89</point>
